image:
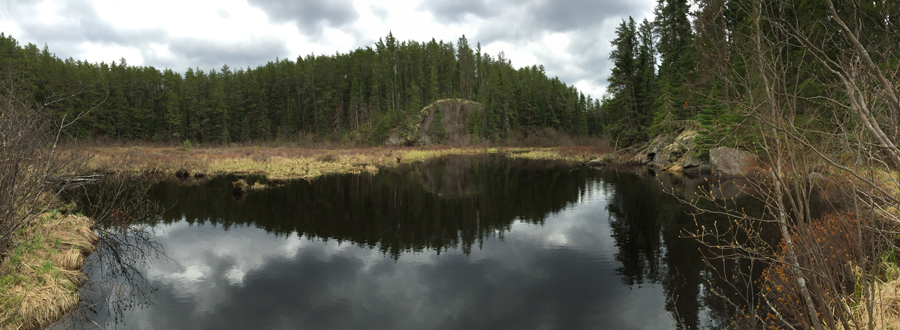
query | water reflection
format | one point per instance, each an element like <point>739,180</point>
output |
<point>435,205</point>
<point>124,221</point>
<point>485,242</point>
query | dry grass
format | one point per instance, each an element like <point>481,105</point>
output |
<point>887,297</point>
<point>41,276</point>
<point>281,163</point>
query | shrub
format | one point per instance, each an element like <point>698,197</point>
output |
<point>33,171</point>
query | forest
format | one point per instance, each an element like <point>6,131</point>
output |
<point>351,97</point>
<point>693,66</point>
<point>683,69</point>
<point>810,88</point>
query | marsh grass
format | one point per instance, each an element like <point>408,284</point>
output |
<point>40,277</point>
<point>285,163</point>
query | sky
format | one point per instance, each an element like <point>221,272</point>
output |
<point>569,37</point>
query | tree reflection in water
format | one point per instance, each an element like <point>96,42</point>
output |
<point>435,205</point>
<point>454,203</point>
<point>125,220</point>
<point>650,226</point>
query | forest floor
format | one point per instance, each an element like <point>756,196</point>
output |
<point>284,163</point>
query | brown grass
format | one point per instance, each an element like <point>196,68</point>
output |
<point>294,163</point>
<point>41,276</point>
<point>887,295</point>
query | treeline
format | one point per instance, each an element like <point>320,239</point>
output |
<point>692,69</point>
<point>342,96</point>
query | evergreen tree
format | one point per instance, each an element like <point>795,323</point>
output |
<point>676,49</point>
<point>645,76</point>
<point>716,121</point>
<point>666,113</point>
<point>622,104</point>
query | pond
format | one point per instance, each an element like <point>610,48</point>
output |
<point>460,242</point>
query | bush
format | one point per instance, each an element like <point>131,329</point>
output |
<point>33,171</point>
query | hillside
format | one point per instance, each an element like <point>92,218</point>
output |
<point>342,97</point>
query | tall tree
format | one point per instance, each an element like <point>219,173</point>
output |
<point>625,124</point>
<point>676,49</point>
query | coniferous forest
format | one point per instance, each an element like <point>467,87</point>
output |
<point>704,67</point>
<point>352,97</point>
<point>687,68</point>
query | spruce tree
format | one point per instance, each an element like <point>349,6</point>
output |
<point>622,104</point>
<point>676,49</point>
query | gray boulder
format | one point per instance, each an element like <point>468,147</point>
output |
<point>732,162</point>
<point>691,161</point>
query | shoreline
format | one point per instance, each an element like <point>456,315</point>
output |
<point>42,275</point>
<point>299,163</point>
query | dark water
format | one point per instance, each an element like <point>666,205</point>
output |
<point>455,243</point>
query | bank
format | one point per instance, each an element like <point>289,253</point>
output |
<point>40,276</point>
<point>287,163</point>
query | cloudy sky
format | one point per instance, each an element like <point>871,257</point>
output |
<point>569,37</point>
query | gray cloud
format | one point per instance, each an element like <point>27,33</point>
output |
<point>379,12</point>
<point>207,54</point>
<point>309,15</point>
<point>568,15</point>
<point>590,60</point>
<point>515,20</point>
<point>456,10</point>
<point>83,24</point>
<point>521,23</point>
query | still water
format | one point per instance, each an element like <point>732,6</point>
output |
<point>452,243</point>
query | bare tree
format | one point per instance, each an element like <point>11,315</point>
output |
<point>824,270</point>
<point>34,171</point>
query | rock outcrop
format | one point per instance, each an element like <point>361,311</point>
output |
<point>678,154</point>
<point>421,128</point>
<point>455,119</point>
<point>732,162</point>
<point>674,154</point>
<point>667,151</point>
